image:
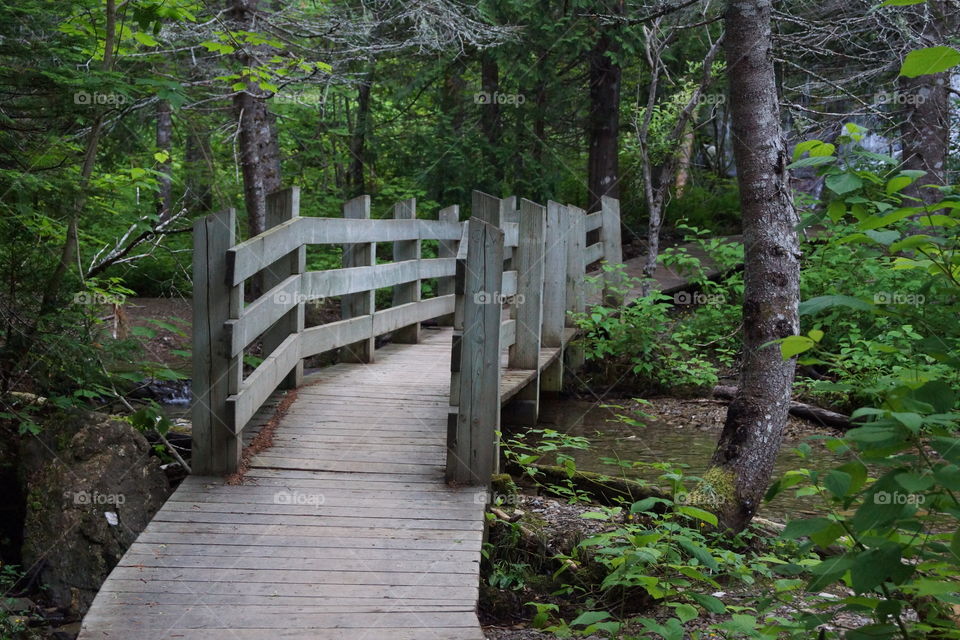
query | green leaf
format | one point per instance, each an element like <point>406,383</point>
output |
<point>900,3</point>
<point>685,612</point>
<point>794,345</point>
<point>818,304</point>
<point>145,39</point>
<point>914,482</point>
<point>710,603</point>
<point>647,504</point>
<point>814,161</point>
<point>587,618</point>
<point>805,528</point>
<point>699,514</point>
<point>843,183</point>
<point>838,483</point>
<point>594,515</point>
<point>897,183</point>
<point>871,568</point>
<point>921,62</point>
<point>872,632</point>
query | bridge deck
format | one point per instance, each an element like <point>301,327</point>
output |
<point>343,529</point>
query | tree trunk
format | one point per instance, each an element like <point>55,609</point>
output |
<point>744,458</point>
<point>259,149</point>
<point>603,127</point>
<point>925,123</point>
<point>358,141</point>
<point>164,143</point>
<point>490,114</point>
<point>198,174</point>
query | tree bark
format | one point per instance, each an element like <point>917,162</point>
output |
<point>358,141</point>
<point>925,121</point>
<point>164,143</point>
<point>198,173</point>
<point>259,149</point>
<point>753,430</point>
<point>490,122</point>
<point>603,126</point>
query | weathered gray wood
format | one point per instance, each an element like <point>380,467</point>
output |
<point>472,451</point>
<point>255,254</point>
<point>358,304</point>
<point>593,253</point>
<point>576,297</point>
<point>282,206</point>
<point>528,310</point>
<point>593,221</point>
<point>447,249</point>
<point>340,282</point>
<point>610,235</point>
<point>508,333</point>
<point>487,208</point>
<point>215,445</point>
<point>260,314</point>
<point>408,292</point>
<point>556,237</point>
<point>258,386</point>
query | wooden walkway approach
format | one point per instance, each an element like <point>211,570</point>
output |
<point>361,514</point>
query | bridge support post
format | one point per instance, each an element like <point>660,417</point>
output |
<point>284,205</point>
<point>612,249</point>
<point>447,249</point>
<point>472,432</point>
<point>575,284</point>
<point>527,310</point>
<point>354,305</point>
<point>216,444</point>
<point>556,237</point>
<point>409,291</point>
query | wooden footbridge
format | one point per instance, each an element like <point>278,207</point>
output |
<point>360,510</point>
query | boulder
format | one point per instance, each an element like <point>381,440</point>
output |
<point>92,486</point>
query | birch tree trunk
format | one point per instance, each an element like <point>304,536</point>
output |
<point>743,461</point>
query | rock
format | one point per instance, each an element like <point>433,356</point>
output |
<point>92,485</point>
<point>18,605</point>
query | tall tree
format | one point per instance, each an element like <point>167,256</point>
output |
<point>603,125</point>
<point>753,430</point>
<point>164,144</point>
<point>257,132</point>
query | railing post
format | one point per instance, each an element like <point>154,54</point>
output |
<point>358,304</point>
<point>528,309</point>
<point>216,444</point>
<point>576,285</point>
<point>554,290</point>
<point>612,248</point>
<point>472,447</point>
<point>284,205</point>
<point>447,249</point>
<point>409,291</point>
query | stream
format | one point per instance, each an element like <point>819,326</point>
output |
<point>683,432</point>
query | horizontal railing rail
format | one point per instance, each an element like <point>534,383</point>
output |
<point>506,280</point>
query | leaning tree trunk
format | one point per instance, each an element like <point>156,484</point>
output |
<point>925,123</point>
<point>164,143</point>
<point>743,462</point>
<point>259,149</point>
<point>358,141</point>
<point>603,127</point>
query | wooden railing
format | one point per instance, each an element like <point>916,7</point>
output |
<point>502,255</point>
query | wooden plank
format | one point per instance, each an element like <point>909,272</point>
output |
<point>410,315</point>
<point>342,282</point>
<point>409,292</point>
<point>610,234</point>
<point>472,447</point>
<point>315,340</point>
<point>555,270</point>
<point>360,301</point>
<point>264,380</point>
<point>216,448</point>
<point>529,263</point>
<point>284,205</point>
<point>257,253</point>
<point>593,253</point>
<point>447,250</point>
<point>257,316</point>
<point>575,296</point>
<point>593,221</point>
<point>409,633</point>
<point>508,333</point>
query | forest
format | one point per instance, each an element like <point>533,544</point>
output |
<point>745,402</point>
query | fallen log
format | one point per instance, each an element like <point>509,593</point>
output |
<point>818,415</point>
